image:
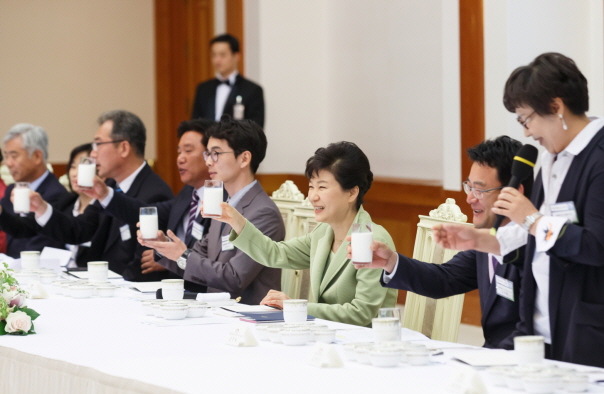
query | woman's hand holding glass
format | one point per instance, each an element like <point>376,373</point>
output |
<point>229,216</point>
<point>383,257</point>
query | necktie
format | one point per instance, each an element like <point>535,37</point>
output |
<point>192,212</point>
<point>118,190</point>
<point>226,82</point>
<point>495,263</point>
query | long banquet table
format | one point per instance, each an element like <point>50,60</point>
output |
<point>100,345</point>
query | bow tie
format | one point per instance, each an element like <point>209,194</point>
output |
<point>226,82</point>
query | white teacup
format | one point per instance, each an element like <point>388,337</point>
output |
<point>30,260</point>
<point>98,271</point>
<point>386,329</point>
<point>361,238</point>
<point>529,349</point>
<point>173,289</point>
<point>295,311</point>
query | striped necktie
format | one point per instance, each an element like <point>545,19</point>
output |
<point>192,212</point>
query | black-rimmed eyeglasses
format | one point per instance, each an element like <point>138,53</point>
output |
<point>524,122</point>
<point>477,192</point>
<point>95,145</point>
<point>214,155</point>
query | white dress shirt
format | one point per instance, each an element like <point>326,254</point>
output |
<point>222,94</point>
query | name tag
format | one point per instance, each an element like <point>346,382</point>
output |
<point>125,232</point>
<point>197,231</point>
<point>565,210</point>
<point>226,244</point>
<point>504,287</point>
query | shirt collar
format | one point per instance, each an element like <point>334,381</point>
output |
<point>585,136</point>
<point>127,183</point>
<point>234,200</point>
<point>232,76</point>
<point>35,184</point>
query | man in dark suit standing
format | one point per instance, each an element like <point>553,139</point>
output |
<point>26,152</point>
<point>180,215</point>
<point>119,148</point>
<point>497,283</point>
<point>218,96</point>
<point>235,149</point>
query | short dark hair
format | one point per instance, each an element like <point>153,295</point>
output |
<point>348,164</point>
<point>128,127</point>
<point>499,153</point>
<point>229,39</point>
<point>241,135</point>
<point>199,125</point>
<point>549,76</point>
<point>74,152</point>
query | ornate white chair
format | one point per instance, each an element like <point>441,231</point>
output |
<point>287,198</point>
<point>303,223</point>
<point>437,319</point>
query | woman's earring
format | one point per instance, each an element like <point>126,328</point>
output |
<point>564,126</point>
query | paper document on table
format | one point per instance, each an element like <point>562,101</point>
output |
<point>86,275</point>
<point>54,255</point>
<point>485,357</point>
<point>249,308</point>
<point>146,287</point>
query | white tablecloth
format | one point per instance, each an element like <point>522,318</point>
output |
<point>99,345</point>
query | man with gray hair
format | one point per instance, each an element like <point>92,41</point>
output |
<point>25,153</point>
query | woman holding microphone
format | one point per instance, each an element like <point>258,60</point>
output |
<point>563,222</point>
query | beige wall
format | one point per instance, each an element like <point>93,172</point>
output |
<point>63,62</point>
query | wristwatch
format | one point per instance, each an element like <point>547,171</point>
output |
<point>182,260</point>
<point>530,220</point>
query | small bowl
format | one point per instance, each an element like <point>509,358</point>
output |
<point>513,379</point>
<point>295,336</point>
<point>57,286</point>
<point>324,336</point>
<point>157,311</point>
<point>105,291</point>
<point>196,309</point>
<point>497,376</point>
<point>274,334</point>
<point>81,291</point>
<point>25,277</point>
<point>47,277</point>
<point>362,353</point>
<point>575,383</point>
<point>147,307</point>
<point>537,383</point>
<point>384,357</point>
<point>174,312</point>
<point>350,349</point>
<point>417,357</point>
<point>262,332</point>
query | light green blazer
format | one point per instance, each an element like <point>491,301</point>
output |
<point>341,293</point>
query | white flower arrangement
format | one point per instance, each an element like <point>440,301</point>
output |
<point>15,317</point>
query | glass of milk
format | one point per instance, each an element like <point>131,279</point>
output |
<point>212,197</point>
<point>86,172</point>
<point>148,223</point>
<point>361,239</point>
<point>21,197</point>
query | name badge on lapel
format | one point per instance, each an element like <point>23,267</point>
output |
<point>226,244</point>
<point>197,231</point>
<point>504,287</point>
<point>125,232</point>
<point>565,210</point>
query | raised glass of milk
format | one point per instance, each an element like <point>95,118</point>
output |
<point>86,172</point>
<point>148,223</point>
<point>212,197</point>
<point>21,197</point>
<point>361,239</point>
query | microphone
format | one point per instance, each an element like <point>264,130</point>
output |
<point>522,168</point>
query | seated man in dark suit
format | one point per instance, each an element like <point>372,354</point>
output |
<point>469,270</point>
<point>26,152</point>
<point>235,149</point>
<point>219,95</point>
<point>119,149</point>
<point>180,215</point>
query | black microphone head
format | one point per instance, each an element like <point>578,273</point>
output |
<point>524,161</point>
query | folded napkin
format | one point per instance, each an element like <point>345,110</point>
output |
<point>36,290</point>
<point>213,297</point>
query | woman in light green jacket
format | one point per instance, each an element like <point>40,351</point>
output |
<point>339,176</point>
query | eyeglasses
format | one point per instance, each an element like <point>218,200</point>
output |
<point>477,192</point>
<point>214,155</point>
<point>95,145</point>
<point>524,122</point>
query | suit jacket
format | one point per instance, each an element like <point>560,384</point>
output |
<point>466,271</point>
<point>25,235</point>
<point>251,94</point>
<point>576,271</point>
<point>170,215</point>
<point>123,254</point>
<point>338,291</point>
<point>232,270</point>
